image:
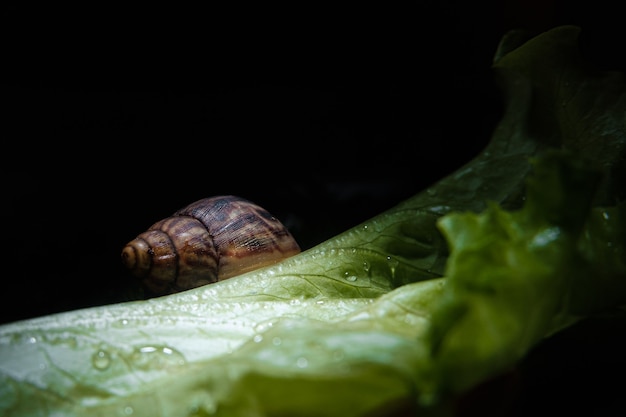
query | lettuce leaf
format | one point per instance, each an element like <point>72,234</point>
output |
<point>513,276</point>
<point>402,313</point>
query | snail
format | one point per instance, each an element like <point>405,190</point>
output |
<point>209,240</point>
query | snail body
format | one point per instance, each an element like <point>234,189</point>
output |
<point>210,240</point>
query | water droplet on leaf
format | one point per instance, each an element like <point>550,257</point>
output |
<point>156,357</point>
<point>393,263</point>
<point>350,276</point>
<point>101,360</point>
<point>302,362</point>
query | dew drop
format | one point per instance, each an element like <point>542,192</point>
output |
<point>277,341</point>
<point>302,362</point>
<point>606,215</point>
<point>264,326</point>
<point>366,266</point>
<point>101,359</point>
<point>349,276</point>
<point>120,323</point>
<point>441,210</point>
<point>128,410</point>
<point>392,265</point>
<point>257,338</point>
<point>156,357</point>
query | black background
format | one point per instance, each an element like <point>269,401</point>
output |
<point>113,118</point>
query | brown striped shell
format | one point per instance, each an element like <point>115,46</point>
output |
<point>210,240</point>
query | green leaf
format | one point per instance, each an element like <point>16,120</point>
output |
<point>510,274</point>
<point>574,105</point>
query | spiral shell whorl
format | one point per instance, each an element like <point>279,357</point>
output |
<point>209,240</point>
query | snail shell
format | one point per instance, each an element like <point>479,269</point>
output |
<point>210,240</point>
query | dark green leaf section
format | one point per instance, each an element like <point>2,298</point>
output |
<point>514,277</point>
<point>574,106</point>
<point>602,283</point>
